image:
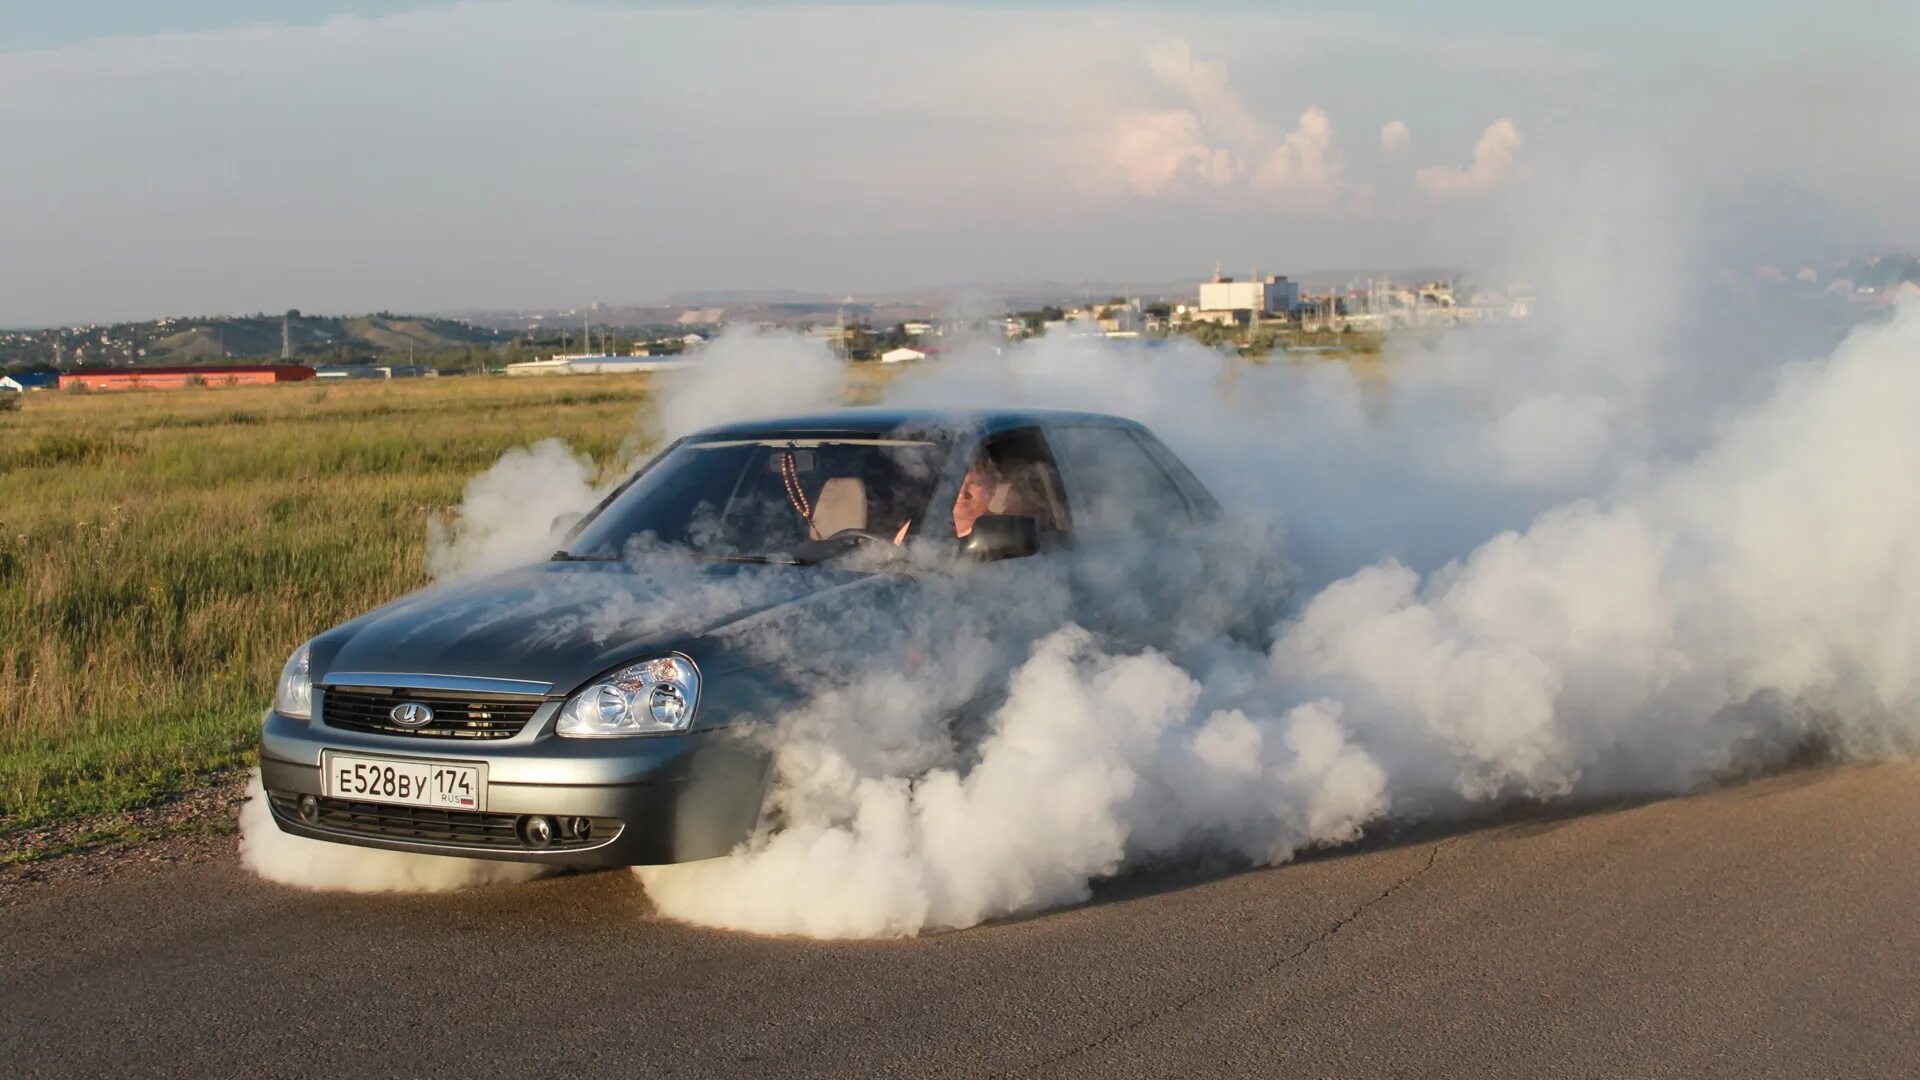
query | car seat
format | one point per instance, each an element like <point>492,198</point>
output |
<point>842,504</point>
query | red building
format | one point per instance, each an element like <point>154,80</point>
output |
<point>173,378</point>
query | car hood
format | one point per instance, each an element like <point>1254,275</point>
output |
<point>564,623</point>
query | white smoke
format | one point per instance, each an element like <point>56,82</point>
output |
<point>1592,553</point>
<point>1716,614</point>
<point>508,515</point>
<point>747,373</point>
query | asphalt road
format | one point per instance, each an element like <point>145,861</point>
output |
<point>1770,929</point>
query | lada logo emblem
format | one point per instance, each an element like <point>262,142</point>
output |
<point>411,714</point>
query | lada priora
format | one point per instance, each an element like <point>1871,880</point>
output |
<point>586,710</point>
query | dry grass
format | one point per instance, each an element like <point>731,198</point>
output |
<point>162,551</point>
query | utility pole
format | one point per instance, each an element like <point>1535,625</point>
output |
<point>1259,304</point>
<point>286,337</point>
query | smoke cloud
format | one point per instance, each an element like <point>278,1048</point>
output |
<point>1581,555</point>
<point>508,513</point>
<point>747,373</point>
<point>1683,622</point>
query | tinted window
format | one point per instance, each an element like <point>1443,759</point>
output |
<point>1120,484</point>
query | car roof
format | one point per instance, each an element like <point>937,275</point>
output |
<point>883,418</point>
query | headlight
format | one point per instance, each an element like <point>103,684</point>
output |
<point>647,698</point>
<point>294,696</point>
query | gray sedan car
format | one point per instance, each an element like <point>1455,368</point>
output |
<point>593,709</point>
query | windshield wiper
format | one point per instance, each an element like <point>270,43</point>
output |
<point>772,560</point>
<point>568,556</point>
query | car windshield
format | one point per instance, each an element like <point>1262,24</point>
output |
<point>780,499</point>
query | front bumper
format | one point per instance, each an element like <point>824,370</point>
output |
<point>653,799</point>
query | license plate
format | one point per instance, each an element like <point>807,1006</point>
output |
<point>406,781</point>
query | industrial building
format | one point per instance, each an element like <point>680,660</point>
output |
<point>596,364</point>
<point>29,380</point>
<point>374,371</point>
<point>1226,301</point>
<point>174,378</point>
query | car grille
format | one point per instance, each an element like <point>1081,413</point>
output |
<point>456,714</point>
<point>460,828</point>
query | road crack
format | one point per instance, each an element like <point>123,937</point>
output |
<point>1178,1005</point>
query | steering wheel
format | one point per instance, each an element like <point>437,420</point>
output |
<point>861,534</point>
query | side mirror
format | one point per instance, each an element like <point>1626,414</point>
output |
<point>1002,536</point>
<point>564,523</point>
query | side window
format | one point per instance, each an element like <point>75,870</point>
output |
<point>1121,485</point>
<point>1013,473</point>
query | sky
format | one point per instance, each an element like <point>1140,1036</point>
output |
<point>209,156</point>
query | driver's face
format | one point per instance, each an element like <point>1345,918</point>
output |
<point>976,491</point>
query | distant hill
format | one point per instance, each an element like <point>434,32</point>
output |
<point>257,336</point>
<point>310,338</point>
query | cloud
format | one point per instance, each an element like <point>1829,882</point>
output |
<point>1154,150</point>
<point>1210,141</point>
<point>1304,166</point>
<point>1394,135</point>
<point>1206,84</point>
<point>1157,150</point>
<point>1493,161</point>
<point>1005,143</point>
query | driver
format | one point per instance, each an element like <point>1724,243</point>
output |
<point>978,489</point>
<point>974,499</point>
<point>976,495</point>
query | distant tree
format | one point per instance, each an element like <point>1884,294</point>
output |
<point>1212,335</point>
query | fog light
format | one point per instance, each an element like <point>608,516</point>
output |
<point>536,831</point>
<point>582,828</point>
<point>309,809</point>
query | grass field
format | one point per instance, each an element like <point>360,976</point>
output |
<point>162,551</point>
